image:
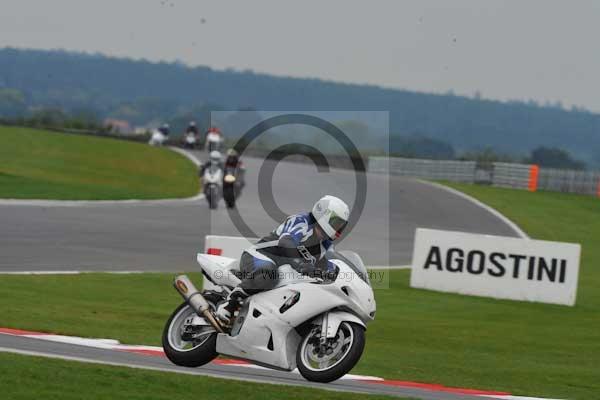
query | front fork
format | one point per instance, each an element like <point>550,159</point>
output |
<point>324,322</point>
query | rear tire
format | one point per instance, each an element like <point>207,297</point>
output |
<point>305,356</point>
<point>204,353</point>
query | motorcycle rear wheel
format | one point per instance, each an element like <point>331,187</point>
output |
<point>187,353</point>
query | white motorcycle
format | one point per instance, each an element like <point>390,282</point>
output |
<point>212,181</point>
<point>213,141</point>
<point>157,138</point>
<point>315,324</point>
<point>190,140</point>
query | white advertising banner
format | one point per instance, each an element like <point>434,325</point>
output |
<point>495,266</point>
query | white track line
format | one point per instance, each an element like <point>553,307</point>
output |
<point>186,154</point>
<point>84,203</point>
<point>478,203</point>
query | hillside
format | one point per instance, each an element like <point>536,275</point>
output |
<point>140,91</point>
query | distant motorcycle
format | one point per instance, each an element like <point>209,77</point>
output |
<point>213,141</point>
<point>233,181</point>
<point>190,141</point>
<point>212,181</point>
<point>157,138</point>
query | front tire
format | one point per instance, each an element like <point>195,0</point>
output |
<point>187,353</point>
<point>344,352</point>
<point>229,196</point>
<point>212,197</point>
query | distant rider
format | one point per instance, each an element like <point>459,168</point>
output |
<point>213,159</point>
<point>213,139</point>
<point>192,128</point>
<point>233,161</point>
<point>302,241</point>
<point>213,130</point>
<point>165,129</point>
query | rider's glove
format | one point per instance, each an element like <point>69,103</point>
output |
<point>305,268</point>
<point>310,270</point>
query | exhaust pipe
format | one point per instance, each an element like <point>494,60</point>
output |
<point>194,298</point>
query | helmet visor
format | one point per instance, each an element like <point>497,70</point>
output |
<point>338,224</point>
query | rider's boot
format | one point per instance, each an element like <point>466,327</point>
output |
<point>227,308</point>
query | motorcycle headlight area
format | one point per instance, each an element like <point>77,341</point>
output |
<point>229,179</point>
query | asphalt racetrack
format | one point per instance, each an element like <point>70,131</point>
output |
<point>166,235</point>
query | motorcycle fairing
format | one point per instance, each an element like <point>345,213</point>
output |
<point>263,323</point>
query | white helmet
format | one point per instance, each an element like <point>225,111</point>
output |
<point>332,215</point>
<point>215,155</point>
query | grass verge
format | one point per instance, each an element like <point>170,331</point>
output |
<point>524,348</point>
<point>26,377</point>
<point>36,164</point>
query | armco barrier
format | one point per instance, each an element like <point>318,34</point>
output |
<point>517,176</point>
<point>570,181</point>
<point>456,171</point>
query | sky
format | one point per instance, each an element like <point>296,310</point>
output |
<point>544,50</point>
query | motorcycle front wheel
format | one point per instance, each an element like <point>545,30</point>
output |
<point>198,348</point>
<point>340,355</point>
<point>212,197</point>
<point>229,195</point>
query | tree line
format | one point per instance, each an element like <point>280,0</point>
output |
<point>422,125</point>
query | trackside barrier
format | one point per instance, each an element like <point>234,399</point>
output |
<point>495,266</point>
<point>449,170</point>
<point>571,181</point>
<point>226,246</point>
<point>516,176</point>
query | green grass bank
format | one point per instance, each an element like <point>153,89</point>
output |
<point>37,164</point>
